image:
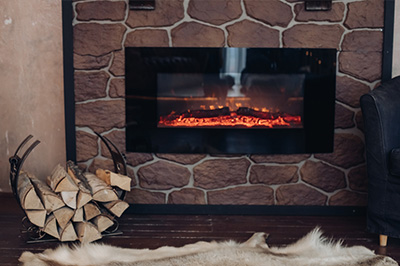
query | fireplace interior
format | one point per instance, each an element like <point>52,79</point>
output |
<point>230,100</point>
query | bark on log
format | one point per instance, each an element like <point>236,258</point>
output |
<point>101,191</point>
<point>64,216</point>
<point>103,222</point>
<point>51,226</point>
<point>68,233</point>
<point>114,179</point>
<point>37,217</point>
<point>51,200</point>
<point>116,207</point>
<point>87,232</point>
<point>91,211</point>
<point>60,180</point>
<point>27,195</point>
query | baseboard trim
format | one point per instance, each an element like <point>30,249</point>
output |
<point>174,209</point>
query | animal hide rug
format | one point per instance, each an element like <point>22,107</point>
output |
<point>313,249</point>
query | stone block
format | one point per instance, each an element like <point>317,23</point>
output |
<point>88,62</point>
<point>299,194</point>
<point>349,90</point>
<point>323,176</point>
<point>348,151</point>
<point>193,34</point>
<point>118,64</point>
<point>117,88</point>
<point>313,36</point>
<point>97,39</point>
<point>271,12</point>
<point>187,196</point>
<point>247,33</point>
<point>365,66</point>
<point>86,146</point>
<point>348,198</point>
<point>363,41</point>
<point>358,179</point>
<point>273,175</point>
<point>365,14</point>
<point>343,117</point>
<point>100,116</point>
<point>219,173</point>
<point>100,10</point>
<point>182,158</point>
<point>163,175</point>
<point>214,12</point>
<point>147,38</point>
<point>90,85</point>
<point>254,195</point>
<point>139,196</point>
<point>280,158</point>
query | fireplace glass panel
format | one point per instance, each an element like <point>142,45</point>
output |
<point>230,100</point>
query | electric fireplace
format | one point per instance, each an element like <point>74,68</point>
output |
<point>230,100</point>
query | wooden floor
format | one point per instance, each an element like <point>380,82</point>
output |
<point>152,231</point>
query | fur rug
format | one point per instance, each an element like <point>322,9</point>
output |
<point>313,249</point>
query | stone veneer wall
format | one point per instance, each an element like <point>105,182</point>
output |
<point>103,28</point>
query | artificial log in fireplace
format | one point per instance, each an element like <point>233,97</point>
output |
<point>230,100</point>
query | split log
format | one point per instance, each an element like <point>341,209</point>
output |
<point>84,194</point>
<point>60,180</point>
<point>83,198</point>
<point>51,226</point>
<point>78,215</point>
<point>69,198</point>
<point>114,179</point>
<point>68,233</point>
<point>116,207</point>
<point>51,200</point>
<point>91,211</point>
<point>101,191</point>
<point>27,195</point>
<point>103,222</point>
<point>87,232</point>
<point>37,217</point>
<point>64,216</point>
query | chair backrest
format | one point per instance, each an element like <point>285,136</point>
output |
<point>381,113</point>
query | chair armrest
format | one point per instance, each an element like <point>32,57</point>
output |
<point>394,159</point>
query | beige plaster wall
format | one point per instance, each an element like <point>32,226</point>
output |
<point>31,84</point>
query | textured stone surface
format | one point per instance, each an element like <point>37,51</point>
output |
<point>250,34</point>
<point>87,62</point>
<point>348,198</point>
<point>117,88</point>
<point>349,90</point>
<point>313,36</point>
<point>220,173</point>
<point>343,117</point>
<point>101,163</point>
<point>195,34</point>
<point>118,138</point>
<point>90,85</point>
<point>187,196</point>
<point>255,195</point>
<point>97,39</point>
<point>299,194</point>
<point>366,66</point>
<point>147,37</point>
<point>290,158</point>
<point>100,116</point>
<point>167,13</point>
<point>365,14</point>
<point>363,41</point>
<point>348,151</point>
<point>322,176</point>
<point>358,179</point>
<point>214,12</point>
<point>139,196</point>
<point>163,175</point>
<point>86,146</point>
<point>118,64</point>
<point>100,10</point>
<point>272,12</point>
<point>334,15</point>
<point>182,158</point>
<point>272,175</point>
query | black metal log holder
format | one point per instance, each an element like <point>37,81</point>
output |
<point>34,233</point>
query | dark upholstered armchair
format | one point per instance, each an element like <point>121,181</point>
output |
<point>381,113</point>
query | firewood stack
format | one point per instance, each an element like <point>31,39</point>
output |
<point>73,205</point>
